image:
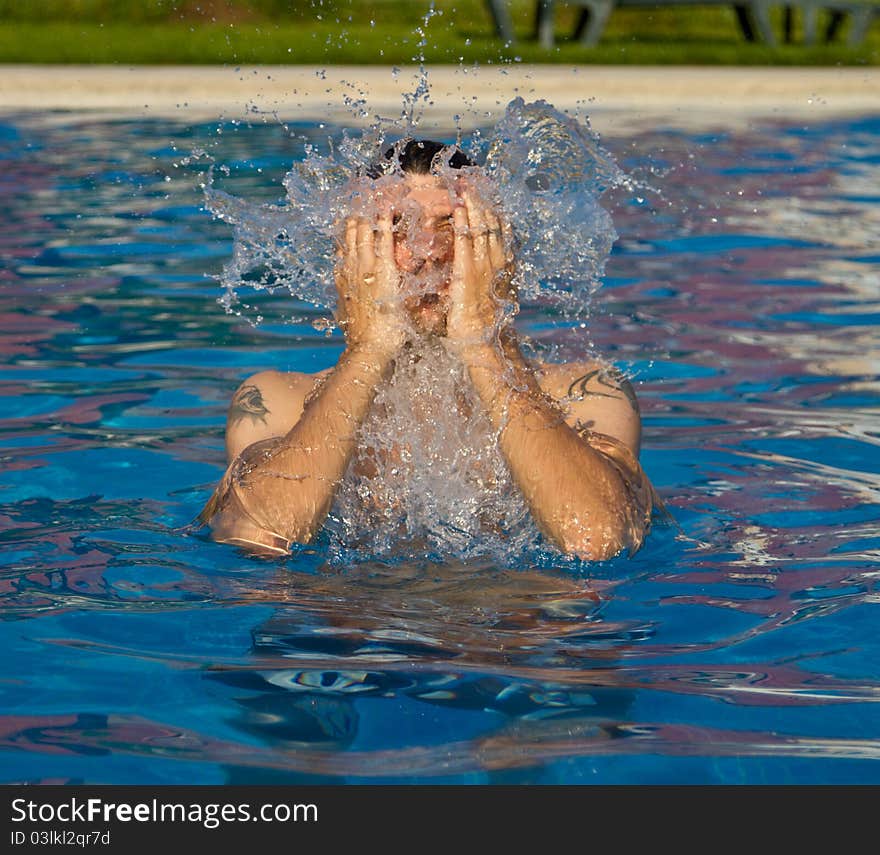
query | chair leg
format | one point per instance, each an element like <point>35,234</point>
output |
<point>501,20</point>
<point>831,31</point>
<point>787,24</point>
<point>600,12</point>
<point>744,19</point>
<point>760,10</point>
<point>811,22</point>
<point>858,27</point>
<point>582,21</point>
<point>544,23</point>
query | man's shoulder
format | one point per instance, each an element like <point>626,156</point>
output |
<point>266,405</point>
<point>594,395</point>
<point>274,378</point>
<point>284,381</point>
<point>569,379</point>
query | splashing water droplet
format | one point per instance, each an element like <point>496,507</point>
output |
<point>324,325</point>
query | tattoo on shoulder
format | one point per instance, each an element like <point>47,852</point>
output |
<point>248,403</point>
<point>611,378</point>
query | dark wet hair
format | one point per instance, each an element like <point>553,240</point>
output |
<point>417,156</point>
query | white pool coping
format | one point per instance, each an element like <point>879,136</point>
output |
<point>613,96</point>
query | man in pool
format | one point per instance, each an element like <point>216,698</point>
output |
<point>569,434</point>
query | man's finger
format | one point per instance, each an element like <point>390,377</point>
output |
<point>350,239</point>
<point>350,230</point>
<point>478,227</point>
<point>496,241</point>
<point>386,273</point>
<point>366,251</point>
<point>507,238</point>
<point>462,249</point>
<point>347,250</point>
<point>385,244</point>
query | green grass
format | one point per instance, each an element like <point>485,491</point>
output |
<point>226,31</point>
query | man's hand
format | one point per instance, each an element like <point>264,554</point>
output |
<point>479,290</point>
<point>370,308</point>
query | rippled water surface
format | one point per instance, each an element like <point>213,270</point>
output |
<point>743,300</point>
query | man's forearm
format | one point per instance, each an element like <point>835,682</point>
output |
<point>576,496</point>
<point>291,491</point>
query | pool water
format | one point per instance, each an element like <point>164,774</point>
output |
<point>739,646</point>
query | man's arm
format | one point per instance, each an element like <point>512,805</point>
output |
<point>280,491</point>
<point>581,497</point>
<point>586,500</point>
<point>287,487</point>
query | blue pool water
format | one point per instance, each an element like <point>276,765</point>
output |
<point>743,299</point>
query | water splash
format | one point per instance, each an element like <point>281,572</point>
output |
<point>422,92</point>
<point>551,172</point>
<point>544,170</point>
<point>429,479</point>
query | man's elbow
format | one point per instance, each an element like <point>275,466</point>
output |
<point>239,529</point>
<point>593,540</point>
<point>590,550</point>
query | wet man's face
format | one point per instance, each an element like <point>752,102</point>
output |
<point>424,242</point>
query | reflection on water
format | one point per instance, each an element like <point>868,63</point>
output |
<point>742,297</point>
